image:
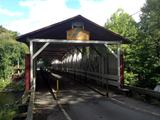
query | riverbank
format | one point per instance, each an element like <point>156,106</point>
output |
<point>8,85</point>
<point>9,104</point>
<point>10,94</point>
<point>7,114</point>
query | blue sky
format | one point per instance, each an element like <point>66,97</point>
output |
<point>73,4</point>
<point>10,4</point>
<point>27,15</point>
<point>11,10</point>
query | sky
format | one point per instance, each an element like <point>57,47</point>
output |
<point>27,15</point>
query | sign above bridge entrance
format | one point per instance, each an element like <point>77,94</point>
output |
<point>77,32</point>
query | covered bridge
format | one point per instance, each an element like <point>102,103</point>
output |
<point>76,46</point>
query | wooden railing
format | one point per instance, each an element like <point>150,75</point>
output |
<point>113,80</point>
<point>30,107</point>
<point>110,79</point>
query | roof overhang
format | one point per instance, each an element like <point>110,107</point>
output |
<point>58,31</point>
<point>56,35</point>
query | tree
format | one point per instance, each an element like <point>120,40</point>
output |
<point>150,42</point>
<point>7,34</point>
<point>142,55</point>
<point>123,24</point>
<point>10,52</point>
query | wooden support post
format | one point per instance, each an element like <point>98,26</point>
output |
<point>31,67</point>
<point>118,65</point>
<point>121,70</point>
<point>57,88</point>
<point>34,74</point>
<point>102,74</point>
<point>27,72</point>
<point>75,53</point>
<point>34,54</point>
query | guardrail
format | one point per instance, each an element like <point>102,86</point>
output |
<point>143,91</point>
<point>110,79</point>
<point>30,107</point>
<point>113,80</point>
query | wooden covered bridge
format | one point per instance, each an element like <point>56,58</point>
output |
<point>77,47</point>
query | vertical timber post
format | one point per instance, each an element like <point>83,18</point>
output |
<point>106,80</point>
<point>121,70</point>
<point>27,72</point>
<point>75,64</point>
<point>31,62</point>
<point>118,65</point>
<point>34,73</point>
<point>57,89</point>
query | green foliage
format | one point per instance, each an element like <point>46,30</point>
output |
<point>123,24</point>
<point>11,52</point>
<point>142,55</point>
<point>4,84</point>
<point>130,78</point>
<point>7,34</point>
<point>7,114</point>
<point>149,52</point>
<point>8,84</point>
<point>17,86</point>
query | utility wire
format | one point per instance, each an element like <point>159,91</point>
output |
<point>135,13</point>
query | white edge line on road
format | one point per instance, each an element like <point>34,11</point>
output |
<point>120,102</point>
<point>61,108</point>
<point>129,106</point>
<point>64,112</point>
<point>135,108</point>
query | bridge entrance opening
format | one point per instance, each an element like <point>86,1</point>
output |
<point>77,46</point>
<point>96,60</point>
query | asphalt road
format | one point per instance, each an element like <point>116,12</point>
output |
<point>102,109</point>
<point>82,103</point>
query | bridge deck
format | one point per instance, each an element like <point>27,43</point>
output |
<point>46,107</point>
<point>77,102</point>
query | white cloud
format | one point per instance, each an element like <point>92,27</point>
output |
<point>46,12</point>
<point>9,13</point>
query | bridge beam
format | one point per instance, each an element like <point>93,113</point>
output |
<point>33,58</point>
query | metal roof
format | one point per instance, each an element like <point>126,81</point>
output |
<point>59,30</point>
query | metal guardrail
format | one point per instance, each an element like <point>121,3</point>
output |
<point>143,91</point>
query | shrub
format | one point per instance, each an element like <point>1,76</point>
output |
<point>7,114</point>
<point>130,78</point>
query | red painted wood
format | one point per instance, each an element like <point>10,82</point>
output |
<point>27,72</point>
